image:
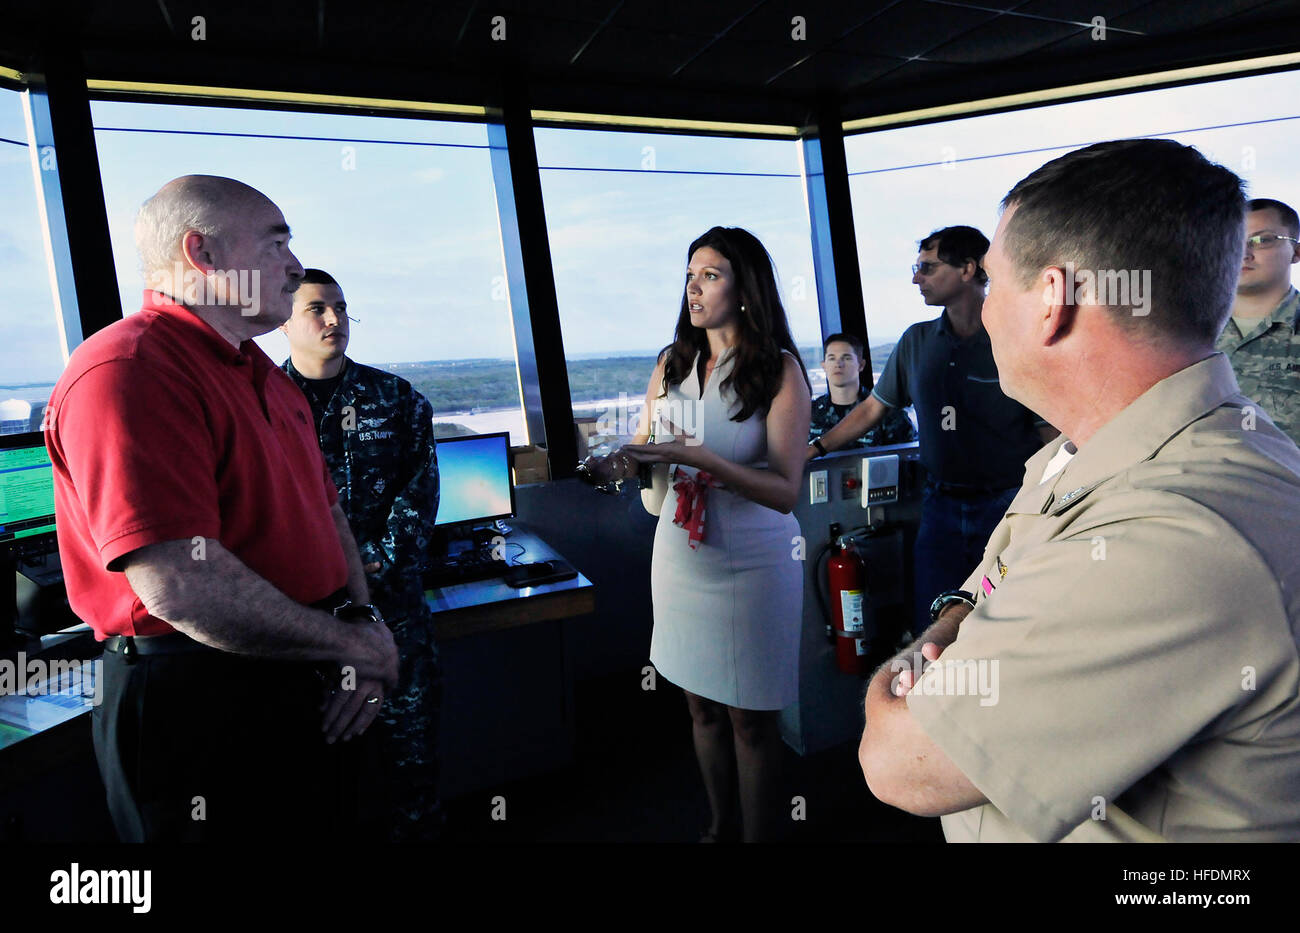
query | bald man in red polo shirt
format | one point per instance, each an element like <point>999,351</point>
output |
<point>202,540</point>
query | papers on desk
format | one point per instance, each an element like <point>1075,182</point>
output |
<point>29,705</point>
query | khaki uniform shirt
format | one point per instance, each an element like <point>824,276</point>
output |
<point>1267,362</point>
<point>1130,670</point>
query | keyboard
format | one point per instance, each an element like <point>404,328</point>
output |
<point>539,574</point>
<point>454,574</point>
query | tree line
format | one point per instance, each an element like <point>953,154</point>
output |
<point>465,385</point>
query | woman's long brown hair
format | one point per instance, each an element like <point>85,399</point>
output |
<point>763,330</point>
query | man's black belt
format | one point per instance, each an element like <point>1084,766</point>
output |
<point>180,643</point>
<point>171,643</point>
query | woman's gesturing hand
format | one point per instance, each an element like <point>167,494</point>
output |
<point>684,448</point>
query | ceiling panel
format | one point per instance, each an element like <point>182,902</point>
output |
<point>1175,16</point>
<point>831,71</point>
<point>696,57</point>
<point>683,17</point>
<point>908,30</point>
<point>1002,38</point>
<point>1074,11</point>
<point>822,23</point>
<point>619,48</point>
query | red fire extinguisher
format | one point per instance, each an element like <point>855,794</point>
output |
<point>848,604</point>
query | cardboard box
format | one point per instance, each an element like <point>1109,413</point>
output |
<point>585,429</point>
<point>530,464</point>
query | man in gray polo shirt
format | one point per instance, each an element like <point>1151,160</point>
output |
<point>974,440</point>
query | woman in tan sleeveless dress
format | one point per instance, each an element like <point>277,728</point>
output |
<point>726,577</point>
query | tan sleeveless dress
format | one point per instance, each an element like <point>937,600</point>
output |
<point>727,615</point>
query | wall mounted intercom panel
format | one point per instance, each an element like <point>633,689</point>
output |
<point>880,480</point>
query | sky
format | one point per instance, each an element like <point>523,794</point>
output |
<point>30,350</point>
<point>403,213</point>
<point>619,239</point>
<point>896,204</point>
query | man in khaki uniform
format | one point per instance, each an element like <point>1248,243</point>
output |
<point>1262,336</point>
<point>1124,663</point>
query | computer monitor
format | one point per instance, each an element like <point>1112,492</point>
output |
<point>26,518</point>
<point>26,496</point>
<point>474,477</point>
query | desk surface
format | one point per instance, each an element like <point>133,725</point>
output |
<point>459,611</point>
<point>48,686</point>
<point>489,605</point>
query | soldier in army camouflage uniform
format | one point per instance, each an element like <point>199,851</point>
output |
<point>1262,338</point>
<point>843,363</point>
<point>376,433</point>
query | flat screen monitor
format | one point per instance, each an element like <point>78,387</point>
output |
<point>26,495</point>
<point>474,478</point>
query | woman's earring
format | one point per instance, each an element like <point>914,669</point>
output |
<point>742,309</point>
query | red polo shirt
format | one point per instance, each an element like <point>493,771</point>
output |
<point>160,430</point>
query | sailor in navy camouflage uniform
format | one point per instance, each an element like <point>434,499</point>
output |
<point>843,363</point>
<point>1262,335</point>
<point>376,433</point>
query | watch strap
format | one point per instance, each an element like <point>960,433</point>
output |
<point>944,600</point>
<point>351,611</point>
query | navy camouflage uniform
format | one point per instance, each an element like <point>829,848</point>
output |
<point>376,433</point>
<point>1267,362</point>
<point>894,428</point>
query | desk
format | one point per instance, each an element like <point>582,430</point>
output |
<point>508,698</point>
<point>491,605</point>
<point>507,709</point>
<point>47,683</point>
<point>49,784</point>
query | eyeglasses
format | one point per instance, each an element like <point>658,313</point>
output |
<point>927,267</point>
<point>1266,240</point>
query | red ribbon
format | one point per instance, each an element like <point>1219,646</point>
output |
<point>692,495</point>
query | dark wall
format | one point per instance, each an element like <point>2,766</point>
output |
<point>610,539</point>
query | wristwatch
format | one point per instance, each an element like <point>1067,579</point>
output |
<point>944,600</point>
<point>613,487</point>
<point>350,612</point>
<point>821,449</point>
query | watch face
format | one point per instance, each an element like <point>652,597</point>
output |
<point>352,612</point>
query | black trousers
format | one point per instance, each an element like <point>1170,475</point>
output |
<point>211,747</point>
